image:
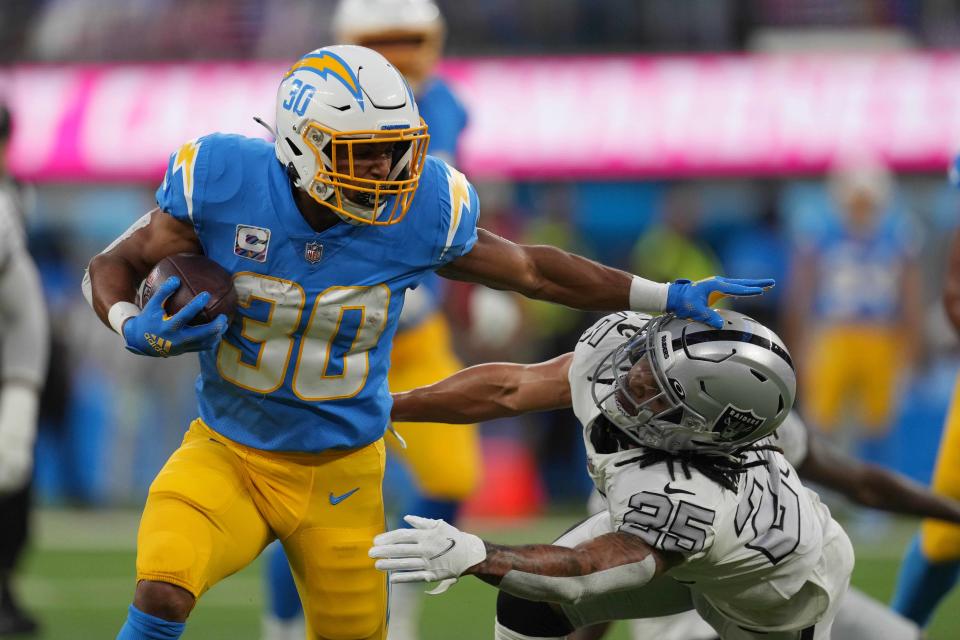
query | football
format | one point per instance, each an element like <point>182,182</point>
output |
<point>197,274</point>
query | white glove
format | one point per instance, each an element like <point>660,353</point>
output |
<point>18,430</point>
<point>431,550</point>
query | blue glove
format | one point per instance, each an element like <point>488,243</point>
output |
<point>693,299</point>
<point>152,333</point>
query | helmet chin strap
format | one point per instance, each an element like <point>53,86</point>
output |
<point>359,210</point>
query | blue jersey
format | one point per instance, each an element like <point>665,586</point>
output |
<point>860,277</point>
<point>303,366</point>
<point>446,119</point>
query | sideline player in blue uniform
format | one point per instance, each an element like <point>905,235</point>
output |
<point>445,461</point>
<point>932,565</point>
<point>293,396</point>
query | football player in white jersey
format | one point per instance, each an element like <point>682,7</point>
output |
<point>860,617</point>
<point>703,511</point>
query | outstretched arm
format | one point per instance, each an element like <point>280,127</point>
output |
<point>548,273</point>
<point>543,272</point>
<point>434,550</point>
<point>872,485</point>
<point>487,392</point>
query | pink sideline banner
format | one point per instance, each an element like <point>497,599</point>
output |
<point>621,116</point>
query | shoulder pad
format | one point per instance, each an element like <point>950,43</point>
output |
<point>459,211</point>
<point>208,169</point>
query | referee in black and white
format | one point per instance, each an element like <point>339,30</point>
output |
<point>24,347</point>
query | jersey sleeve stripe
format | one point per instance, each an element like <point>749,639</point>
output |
<point>185,161</point>
<point>459,200</point>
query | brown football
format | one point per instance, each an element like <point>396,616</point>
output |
<point>197,274</point>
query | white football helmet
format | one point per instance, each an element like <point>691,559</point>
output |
<point>409,33</point>
<point>718,389</point>
<point>330,103</point>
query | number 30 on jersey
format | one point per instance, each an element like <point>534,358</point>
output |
<point>319,373</point>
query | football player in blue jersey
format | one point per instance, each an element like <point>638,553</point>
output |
<point>932,564</point>
<point>324,231</point>
<point>444,462</point>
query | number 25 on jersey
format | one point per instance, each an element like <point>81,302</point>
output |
<point>323,369</point>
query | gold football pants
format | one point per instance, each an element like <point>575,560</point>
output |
<point>216,504</point>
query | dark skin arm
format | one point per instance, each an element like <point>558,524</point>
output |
<point>872,485</point>
<point>487,392</point>
<point>116,274</point>
<point>542,273</point>
<point>604,552</point>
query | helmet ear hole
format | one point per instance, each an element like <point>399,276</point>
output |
<point>780,404</point>
<point>293,147</point>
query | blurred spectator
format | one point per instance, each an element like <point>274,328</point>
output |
<point>758,248</point>
<point>856,293</point>
<point>670,250</point>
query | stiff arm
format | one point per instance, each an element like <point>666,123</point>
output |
<point>488,391</point>
<point>547,273</point>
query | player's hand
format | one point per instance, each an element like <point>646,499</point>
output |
<point>152,333</point>
<point>18,430</point>
<point>693,299</point>
<point>431,550</point>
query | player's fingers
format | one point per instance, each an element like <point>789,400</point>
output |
<point>420,523</point>
<point>190,310</point>
<point>412,576</point>
<point>208,331</point>
<point>401,564</point>
<point>204,344</point>
<point>728,289</point>
<point>164,291</point>
<point>713,319</point>
<point>763,283</point>
<point>397,536</point>
<point>396,551</point>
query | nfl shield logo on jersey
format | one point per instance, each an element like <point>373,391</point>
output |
<point>312,252</point>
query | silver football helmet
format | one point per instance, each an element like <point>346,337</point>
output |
<point>716,390</point>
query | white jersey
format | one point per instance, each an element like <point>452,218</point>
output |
<point>12,237</point>
<point>792,436</point>
<point>767,556</point>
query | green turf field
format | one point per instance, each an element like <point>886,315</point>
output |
<point>79,578</point>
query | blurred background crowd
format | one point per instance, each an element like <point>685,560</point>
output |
<point>858,251</point>
<point>71,30</point>
<point>857,241</point>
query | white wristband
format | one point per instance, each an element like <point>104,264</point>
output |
<point>646,295</point>
<point>119,313</point>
